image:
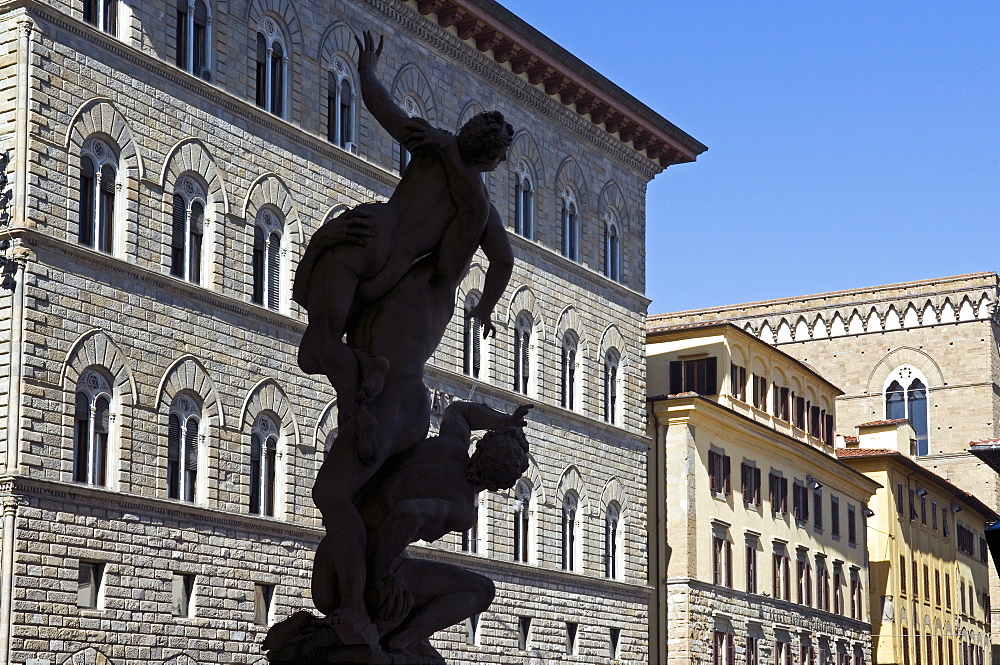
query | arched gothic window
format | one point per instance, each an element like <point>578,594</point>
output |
<point>906,397</point>
<point>612,248</point>
<point>412,109</point>
<point>611,362</point>
<point>570,526</point>
<point>569,350</point>
<point>272,67</point>
<point>522,354</point>
<point>183,443</point>
<point>102,14</point>
<point>340,105</point>
<point>524,202</point>
<point>570,226</point>
<point>611,537</point>
<point>187,230</point>
<point>263,465</point>
<point>522,520</point>
<point>194,34</point>
<point>472,345</point>
<point>266,259</point>
<point>92,428</point>
<point>98,193</point>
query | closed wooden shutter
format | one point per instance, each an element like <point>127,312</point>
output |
<point>256,451</point>
<point>177,234</point>
<point>87,202</point>
<point>257,266</point>
<point>190,459</point>
<point>81,456</point>
<point>173,457</point>
<point>197,233</point>
<point>107,208</point>
<point>273,265</point>
<point>102,426</point>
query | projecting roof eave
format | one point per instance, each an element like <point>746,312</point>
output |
<point>578,86</point>
<point>651,333</point>
<point>988,452</point>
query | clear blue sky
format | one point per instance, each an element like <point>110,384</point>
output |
<point>851,143</point>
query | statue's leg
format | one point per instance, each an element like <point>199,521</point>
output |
<point>443,595</point>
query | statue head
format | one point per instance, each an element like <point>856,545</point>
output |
<point>501,458</point>
<point>484,139</point>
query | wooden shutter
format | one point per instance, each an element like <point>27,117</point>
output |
<point>525,368</point>
<point>173,457</point>
<point>261,83</point>
<point>177,233</point>
<point>517,360</point>
<point>676,377</point>
<point>190,459</point>
<point>257,266</point>
<point>477,340</point>
<point>711,380</point>
<point>107,208</point>
<point>784,495</point>
<point>256,453</point>
<point>102,426</point>
<point>713,470</point>
<point>729,564</point>
<point>467,348</point>
<point>82,444</point>
<point>756,486</point>
<point>196,232</point>
<point>87,202</point>
<point>726,484</point>
<point>273,265</point>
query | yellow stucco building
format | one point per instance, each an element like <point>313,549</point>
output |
<point>757,531</point>
<point>929,588</point>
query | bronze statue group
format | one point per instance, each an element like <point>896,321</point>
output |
<point>379,283</point>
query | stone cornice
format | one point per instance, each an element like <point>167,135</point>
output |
<point>511,42</point>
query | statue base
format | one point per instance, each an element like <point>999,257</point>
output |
<point>303,639</point>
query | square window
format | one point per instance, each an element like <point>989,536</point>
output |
<point>263,595</point>
<point>524,633</point>
<point>90,579</point>
<point>613,640</point>
<point>472,630</point>
<point>182,594</point>
<point>571,638</point>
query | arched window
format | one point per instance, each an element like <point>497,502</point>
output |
<point>522,520</point>
<point>569,531</point>
<point>569,350</point>
<point>340,105</point>
<point>263,465</point>
<point>412,109</point>
<point>266,259</point>
<point>92,428</point>
<point>272,67</point>
<point>187,230</point>
<point>906,397</point>
<point>102,14</point>
<point>611,531</point>
<point>612,248</point>
<point>570,226</point>
<point>194,34</point>
<point>98,193</point>
<point>524,202</point>
<point>183,439</point>
<point>472,343</point>
<point>522,354</point>
<point>611,362</point>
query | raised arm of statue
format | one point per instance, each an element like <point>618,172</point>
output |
<point>377,99</point>
<point>463,418</point>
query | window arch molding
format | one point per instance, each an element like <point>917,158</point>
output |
<point>615,227</point>
<point>614,495</point>
<point>612,376</point>
<point>273,62</point>
<point>612,246</point>
<point>571,184</point>
<point>99,120</point>
<point>571,483</point>
<point>613,343</point>
<point>570,322</point>
<point>524,308</point>
<point>469,293</point>
<point>569,216</point>
<point>95,351</point>
<point>342,95</point>
<point>327,428</point>
<point>268,398</point>
<point>269,194</point>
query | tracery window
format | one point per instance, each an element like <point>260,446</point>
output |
<point>340,105</point>
<point>194,26</point>
<point>98,193</point>
<point>524,202</point>
<point>522,354</point>
<point>611,369</point>
<point>263,465</point>
<point>570,226</point>
<point>266,259</point>
<point>472,341</point>
<point>272,67</point>
<point>102,14</point>
<point>612,248</point>
<point>522,520</point>
<point>611,538</point>
<point>187,230</point>
<point>906,397</point>
<point>570,527</point>
<point>183,439</point>
<point>569,350</point>
<point>92,427</point>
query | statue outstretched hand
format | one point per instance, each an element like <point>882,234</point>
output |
<point>517,419</point>
<point>369,53</point>
<point>485,316</point>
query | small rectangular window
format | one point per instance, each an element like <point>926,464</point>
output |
<point>852,533</point>
<point>571,638</point>
<point>182,594</point>
<point>751,561</point>
<point>613,640</point>
<point>524,633</point>
<point>902,573</point>
<point>835,517</point>
<point>818,509</point>
<point>934,513</point>
<point>90,579</point>
<point>899,498</point>
<point>472,630</point>
<point>262,601</point>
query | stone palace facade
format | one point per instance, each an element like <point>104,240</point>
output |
<point>166,164</point>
